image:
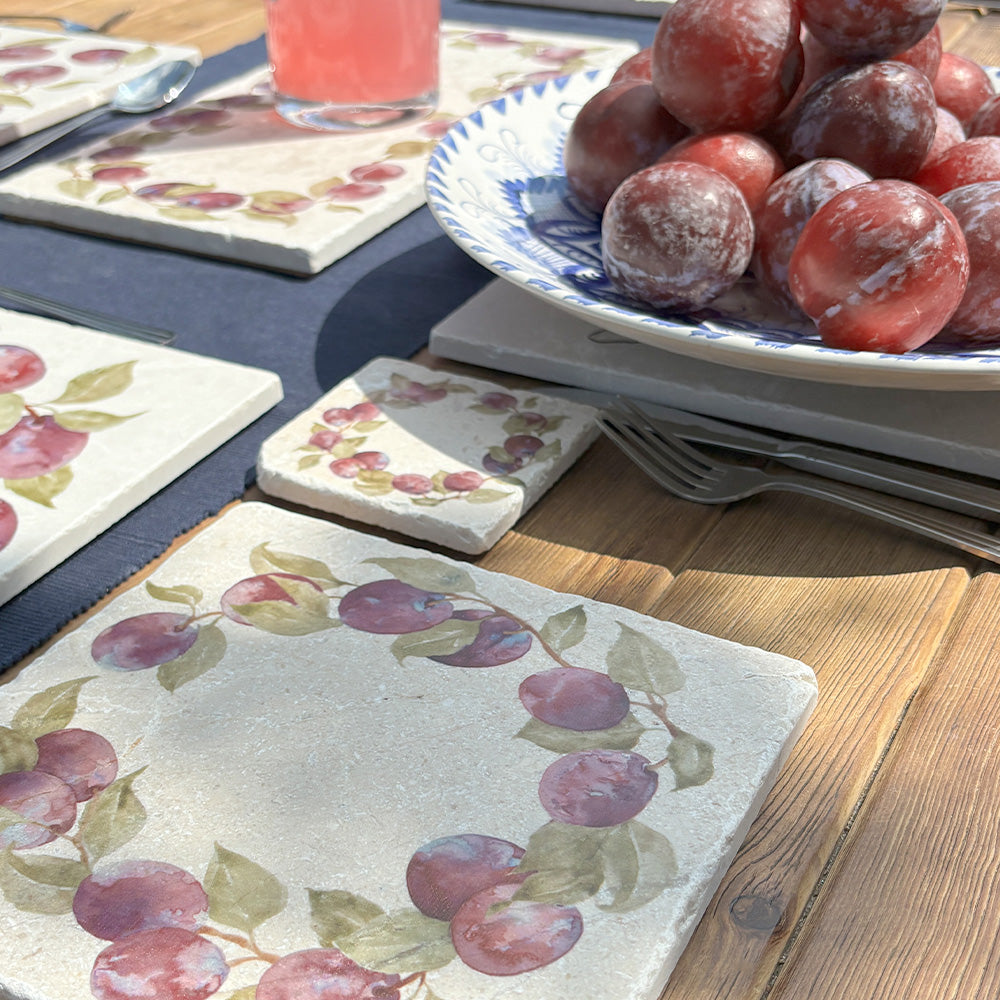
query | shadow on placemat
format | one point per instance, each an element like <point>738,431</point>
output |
<point>396,302</point>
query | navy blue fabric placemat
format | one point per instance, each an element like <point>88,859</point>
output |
<point>382,299</point>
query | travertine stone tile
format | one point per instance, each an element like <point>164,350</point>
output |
<point>93,424</point>
<point>299,749</point>
<point>446,459</point>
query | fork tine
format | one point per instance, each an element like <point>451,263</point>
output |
<point>671,470</point>
<point>675,454</point>
<point>628,410</point>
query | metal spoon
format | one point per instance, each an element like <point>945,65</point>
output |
<point>145,93</point>
<point>72,26</point>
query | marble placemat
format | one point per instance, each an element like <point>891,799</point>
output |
<point>507,329</point>
<point>441,458</point>
<point>46,76</point>
<point>299,755</point>
<point>226,177</point>
<point>93,424</point>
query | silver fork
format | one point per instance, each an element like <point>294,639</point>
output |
<point>690,473</point>
<point>73,26</point>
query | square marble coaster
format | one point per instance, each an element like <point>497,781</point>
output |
<point>92,424</point>
<point>46,77</point>
<point>508,329</point>
<point>228,178</point>
<point>446,459</point>
<point>319,771</point>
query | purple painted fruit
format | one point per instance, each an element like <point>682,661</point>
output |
<point>597,787</point>
<point>168,963</point>
<point>47,803</point>
<point>144,641</point>
<point>8,524</point>
<point>19,367</point>
<point>391,607</point>
<point>499,936</point>
<point>574,698</point>
<point>443,874</point>
<point>36,446</point>
<point>85,760</point>
<point>324,974</point>
<point>131,896</point>
<point>500,640</point>
<point>257,589</point>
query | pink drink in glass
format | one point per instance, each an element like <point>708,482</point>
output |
<point>353,62</point>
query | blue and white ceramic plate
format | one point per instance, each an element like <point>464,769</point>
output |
<point>496,185</point>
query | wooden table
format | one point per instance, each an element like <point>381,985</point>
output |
<point>873,869</point>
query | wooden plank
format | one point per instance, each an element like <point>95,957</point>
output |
<point>866,607</point>
<point>926,843</point>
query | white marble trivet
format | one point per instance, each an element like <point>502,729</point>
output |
<point>320,774</point>
<point>46,77</point>
<point>92,424</point>
<point>508,329</point>
<point>446,459</point>
<point>226,177</point>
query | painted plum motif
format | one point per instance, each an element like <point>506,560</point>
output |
<point>40,439</point>
<point>126,171</point>
<point>341,439</point>
<point>498,907</point>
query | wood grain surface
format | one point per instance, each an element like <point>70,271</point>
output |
<point>873,870</point>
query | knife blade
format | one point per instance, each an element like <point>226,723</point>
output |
<point>937,488</point>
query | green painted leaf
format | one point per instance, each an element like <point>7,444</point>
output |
<point>265,560</point>
<point>486,496</point>
<point>42,489</point>
<point>116,194</point>
<point>641,664</point>
<point>11,410</point>
<point>374,482</point>
<point>309,462</point>
<point>241,893</point>
<point>50,709</point>
<point>429,574</point>
<point>405,941</point>
<point>207,651</point>
<point>403,150</point>
<point>101,383</point>
<point>320,188</point>
<point>566,862</point>
<point>77,187</point>
<point>500,454</point>
<point>246,993</point>
<point>565,629</point>
<point>336,913</point>
<point>441,640</point>
<point>112,817</point>
<point>548,452</point>
<point>305,614</point>
<point>89,421</point>
<point>691,759</point>
<point>624,736</point>
<point>63,873</point>
<point>639,864</point>
<point>29,896</point>
<point>184,594</point>
<point>15,100</point>
<point>18,752</point>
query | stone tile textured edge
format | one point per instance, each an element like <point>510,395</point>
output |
<point>304,738</point>
<point>438,457</point>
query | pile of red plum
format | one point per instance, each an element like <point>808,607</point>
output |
<point>829,149</point>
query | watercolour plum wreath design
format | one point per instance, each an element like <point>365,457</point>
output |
<point>39,440</point>
<point>121,170</point>
<point>29,65</point>
<point>500,908</point>
<point>340,440</point>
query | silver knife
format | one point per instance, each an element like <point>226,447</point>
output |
<point>939,489</point>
